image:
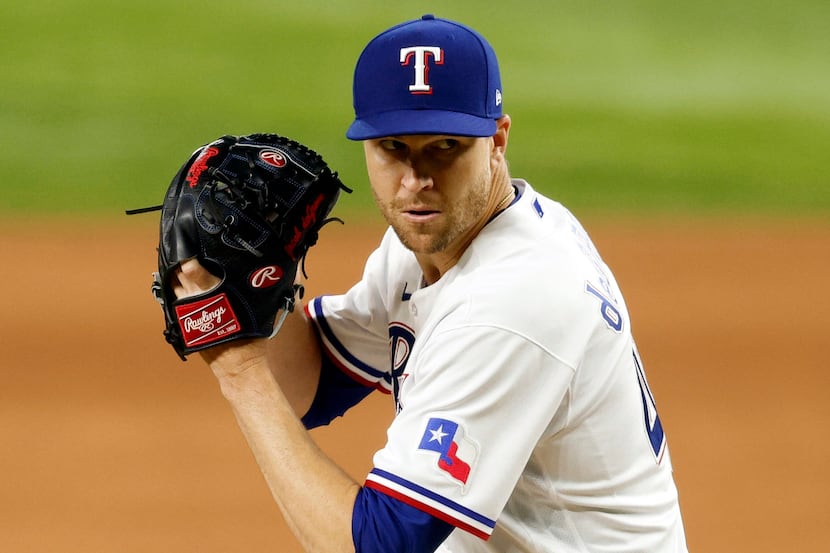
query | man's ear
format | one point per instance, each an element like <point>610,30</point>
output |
<point>502,133</point>
<point>501,136</point>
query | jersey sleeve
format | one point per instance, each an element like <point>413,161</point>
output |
<point>336,393</point>
<point>351,338</point>
<point>471,414</point>
<point>381,523</point>
<point>352,327</point>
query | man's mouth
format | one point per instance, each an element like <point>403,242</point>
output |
<point>421,213</point>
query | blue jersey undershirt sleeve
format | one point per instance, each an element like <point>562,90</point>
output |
<point>337,392</point>
<point>381,523</point>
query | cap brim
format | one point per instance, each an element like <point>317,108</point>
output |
<point>406,122</point>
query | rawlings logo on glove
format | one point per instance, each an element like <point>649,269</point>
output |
<point>205,322</point>
<point>266,277</point>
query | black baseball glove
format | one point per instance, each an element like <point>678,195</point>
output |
<point>248,208</point>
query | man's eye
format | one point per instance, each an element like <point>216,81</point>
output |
<point>446,144</point>
<point>391,145</point>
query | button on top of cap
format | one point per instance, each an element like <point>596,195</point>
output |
<point>427,16</point>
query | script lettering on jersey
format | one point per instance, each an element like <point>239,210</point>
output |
<point>420,54</point>
<point>608,310</point>
<point>590,251</point>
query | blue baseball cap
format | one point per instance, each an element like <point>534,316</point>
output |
<point>426,76</point>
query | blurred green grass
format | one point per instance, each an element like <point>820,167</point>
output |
<point>635,107</point>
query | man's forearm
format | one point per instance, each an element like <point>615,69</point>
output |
<point>315,496</point>
<point>294,358</point>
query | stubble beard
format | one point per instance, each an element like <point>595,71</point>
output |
<point>457,219</point>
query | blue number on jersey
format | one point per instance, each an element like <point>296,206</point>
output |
<point>654,428</point>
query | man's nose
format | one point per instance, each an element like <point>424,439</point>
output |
<point>415,178</point>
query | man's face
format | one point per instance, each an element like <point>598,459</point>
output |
<point>432,189</point>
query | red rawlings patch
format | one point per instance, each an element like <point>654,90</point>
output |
<point>199,166</point>
<point>206,321</point>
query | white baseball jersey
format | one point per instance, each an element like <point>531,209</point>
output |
<point>523,414</point>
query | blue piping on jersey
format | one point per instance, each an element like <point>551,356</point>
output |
<point>435,497</point>
<point>324,327</point>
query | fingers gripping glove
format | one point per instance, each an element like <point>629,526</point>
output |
<point>248,209</point>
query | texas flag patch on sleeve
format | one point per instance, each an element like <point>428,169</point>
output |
<point>445,470</point>
<point>456,454</point>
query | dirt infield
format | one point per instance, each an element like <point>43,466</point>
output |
<point>110,443</point>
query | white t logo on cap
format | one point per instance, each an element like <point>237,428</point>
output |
<point>420,53</point>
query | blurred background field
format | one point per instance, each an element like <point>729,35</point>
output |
<point>691,138</point>
<point>641,106</point>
